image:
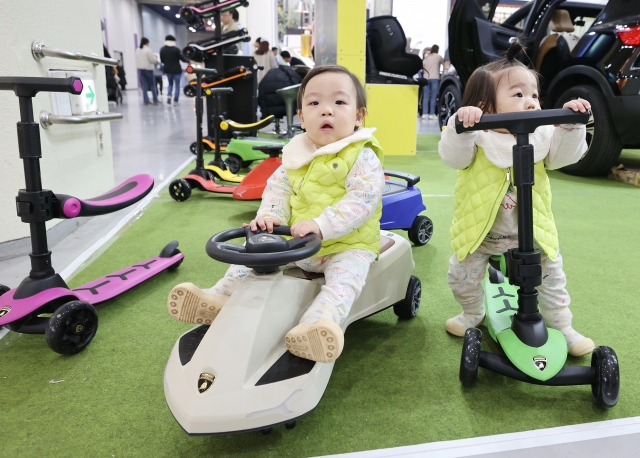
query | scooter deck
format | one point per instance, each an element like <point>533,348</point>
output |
<point>225,175</point>
<point>541,363</point>
<point>94,292</point>
<point>208,185</point>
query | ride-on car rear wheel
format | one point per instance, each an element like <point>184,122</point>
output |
<point>449,103</point>
<point>72,327</point>
<point>606,386</point>
<point>421,230</point>
<point>180,190</point>
<point>4,289</point>
<point>408,307</point>
<point>470,360</point>
<point>602,139</point>
<point>234,163</point>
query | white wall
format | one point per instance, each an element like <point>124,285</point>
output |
<point>261,20</point>
<point>71,161</point>
<point>155,28</point>
<point>424,21</point>
<point>122,23</point>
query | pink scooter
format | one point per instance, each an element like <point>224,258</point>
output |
<point>74,320</point>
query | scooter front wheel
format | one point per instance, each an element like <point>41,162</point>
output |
<point>470,360</point>
<point>72,327</point>
<point>234,163</point>
<point>606,386</point>
<point>180,190</point>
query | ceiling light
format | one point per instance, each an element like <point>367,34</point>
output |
<point>167,8</point>
<point>178,16</point>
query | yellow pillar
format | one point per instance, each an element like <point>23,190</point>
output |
<point>392,108</point>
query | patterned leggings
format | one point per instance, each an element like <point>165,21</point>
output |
<point>345,274</point>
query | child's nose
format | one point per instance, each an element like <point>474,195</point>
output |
<point>327,109</point>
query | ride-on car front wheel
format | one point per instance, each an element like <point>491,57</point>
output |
<point>470,359</point>
<point>408,307</point>
<point>4,289</point>
<point>602,139</point>
<point>421,230</point>
<point>234,163</point>
<point>71,327</point>
<point>606,385</point>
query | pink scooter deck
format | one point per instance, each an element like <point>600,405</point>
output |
<point>93,292</point>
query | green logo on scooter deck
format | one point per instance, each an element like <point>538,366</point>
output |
<point>4,311</point>
<point>540,362</point>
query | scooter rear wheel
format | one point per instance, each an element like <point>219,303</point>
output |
<point>470,360</point>
<point>72,327</point>
<point>606,386</point>
<point>180,190</point>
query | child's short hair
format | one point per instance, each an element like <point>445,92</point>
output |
<point>481,88</point>
<point>361,95</point>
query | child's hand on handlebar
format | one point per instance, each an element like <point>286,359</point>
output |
<point>262,223</point>
<point>303,228</point>
<point>580,105</point>
<point>468,116</point>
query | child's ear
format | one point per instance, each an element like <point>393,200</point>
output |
<point>360,114</point>
<point>301,118</point>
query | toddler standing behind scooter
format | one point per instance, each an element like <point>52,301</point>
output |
<point>330,183</point>
<point>485,221</point>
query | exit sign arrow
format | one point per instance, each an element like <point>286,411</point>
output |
<point>91,95</point>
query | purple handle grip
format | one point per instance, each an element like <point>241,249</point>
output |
<point>127,193</point>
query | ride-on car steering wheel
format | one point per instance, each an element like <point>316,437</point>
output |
<point>264,252</point>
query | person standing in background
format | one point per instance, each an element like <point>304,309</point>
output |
<point>145,58</point>
<point>245,45</point>
<point>171,56</point>
<point>158,69</point>
<point>431,71</point>
<point>228,25</point>
<point>121,75</point>
<point>264,58</point>
<point>274,50</point>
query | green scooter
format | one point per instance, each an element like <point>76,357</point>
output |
<point>534,353</point>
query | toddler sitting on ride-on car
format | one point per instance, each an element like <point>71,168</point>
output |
<point>330,183</point>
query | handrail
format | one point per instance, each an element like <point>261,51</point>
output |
<point>47,119</point>
<point>39,50</point>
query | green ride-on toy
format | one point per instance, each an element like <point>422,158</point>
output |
<point>534,353</point>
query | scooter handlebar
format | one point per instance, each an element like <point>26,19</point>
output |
<point>30,86</point>
<point>525,122</point>
<point>201,71</point>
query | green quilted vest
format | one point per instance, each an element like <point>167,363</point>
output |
<point>322,183</point>
<point>479,192</point>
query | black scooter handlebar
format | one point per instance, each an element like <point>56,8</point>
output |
<point>525,122</point>
<point>25,86</point>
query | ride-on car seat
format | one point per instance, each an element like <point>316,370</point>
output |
<point>562,26</point>
<point>387,58</point>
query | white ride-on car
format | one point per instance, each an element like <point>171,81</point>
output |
<point>237,375</point>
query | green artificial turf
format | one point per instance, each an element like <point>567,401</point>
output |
<point>395,384</point>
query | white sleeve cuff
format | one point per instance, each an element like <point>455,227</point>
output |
<point>325,227</point>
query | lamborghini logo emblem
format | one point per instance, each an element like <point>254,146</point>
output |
<point>4,311</point>
<point>205,381</point>
<point>540,362</point>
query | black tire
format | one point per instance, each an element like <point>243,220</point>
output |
<point>180,190</point>
<point>72,327</point>
<point>408,307</point>
<point>4,289</point>
<point>193,147</point>
<point>266,431</point>
<point>211,176</point>
<point>449,102</point>
<point>470,360</point>
<point>246,164</point>
<point>602,139</point>
<point>290,424</point>
<point>189,90</point>
<point>605,388</point>
<point>421,230</point>
<point>234,163</point>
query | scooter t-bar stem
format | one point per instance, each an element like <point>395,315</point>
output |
<point>525,122</point>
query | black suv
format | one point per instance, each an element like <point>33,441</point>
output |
<point>588,50</point>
